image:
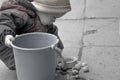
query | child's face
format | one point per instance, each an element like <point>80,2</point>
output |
<point>49,18</point>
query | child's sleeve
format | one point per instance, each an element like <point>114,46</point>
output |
<point>7,26</point>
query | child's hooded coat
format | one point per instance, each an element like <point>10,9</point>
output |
<point>18,17</point>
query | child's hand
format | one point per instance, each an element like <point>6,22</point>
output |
<point>60,63</point>
<point>8,40</point>
<point>60,59</point>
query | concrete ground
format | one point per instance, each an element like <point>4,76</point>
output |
<point>91,33</point>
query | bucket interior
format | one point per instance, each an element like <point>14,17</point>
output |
<point>35,40</point>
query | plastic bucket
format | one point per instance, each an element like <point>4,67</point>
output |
<point>35,56</point>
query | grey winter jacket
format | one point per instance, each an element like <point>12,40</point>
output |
<point>18,17</point>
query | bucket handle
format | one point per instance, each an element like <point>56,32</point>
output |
<point>54,47</point>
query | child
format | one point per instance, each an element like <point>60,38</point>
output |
<point>25,16</point>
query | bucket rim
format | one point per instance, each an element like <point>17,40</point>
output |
<point>17,47</point>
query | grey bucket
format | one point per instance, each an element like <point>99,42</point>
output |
<point>35,56</point>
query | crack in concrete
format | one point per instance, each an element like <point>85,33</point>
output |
<point>81,41</point>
